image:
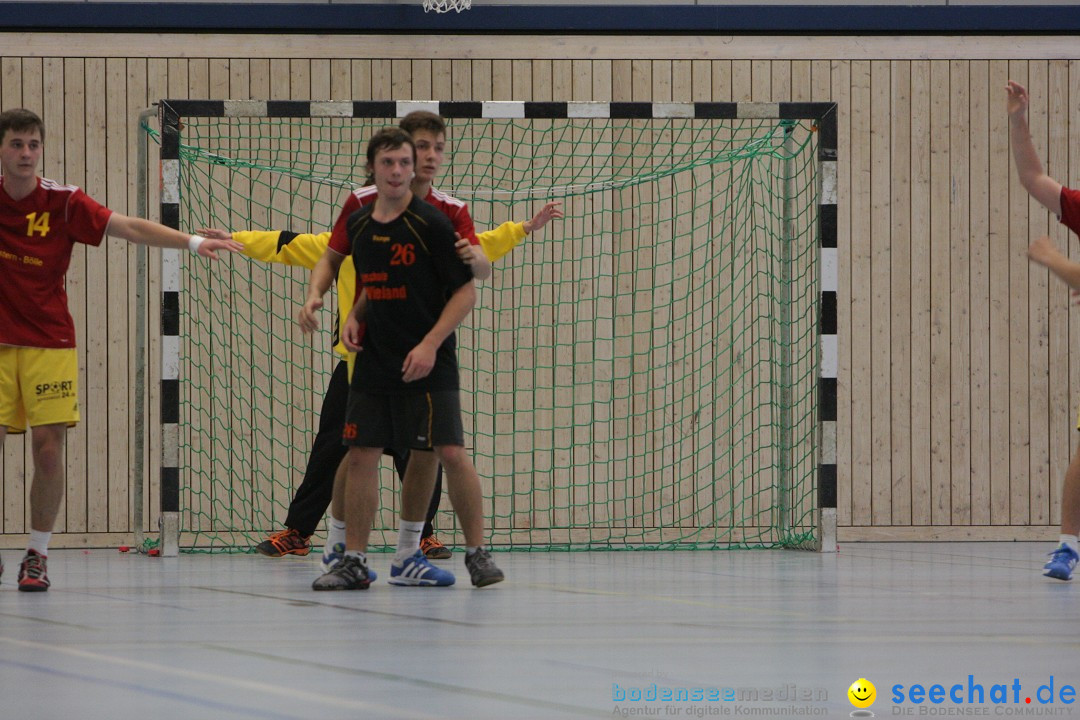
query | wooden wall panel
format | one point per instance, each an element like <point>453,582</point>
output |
<point>900,294</point>
<point>956,382</point>
<point>919,352</point>
<point>980,110</point>
<point>1001,252</point>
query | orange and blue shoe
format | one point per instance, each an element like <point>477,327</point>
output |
<point>433,549</point>
<point>32,574</point>
<point>285,542</point>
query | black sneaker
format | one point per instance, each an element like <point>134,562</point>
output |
<point>482,569</point>
<point>350,573</point>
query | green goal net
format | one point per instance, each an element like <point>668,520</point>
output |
<point>639,374</point>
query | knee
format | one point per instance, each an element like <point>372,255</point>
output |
<point>48,449</point>
<point>452,456</point>
<point>363,461</point>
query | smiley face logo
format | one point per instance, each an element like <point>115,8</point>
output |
<point>862,693</point>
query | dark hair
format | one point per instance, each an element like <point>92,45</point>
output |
<point>390,138</point>
<point>423,120</point>
<point>20,120</point>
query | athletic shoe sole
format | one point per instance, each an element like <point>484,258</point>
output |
<point>1058,574</point>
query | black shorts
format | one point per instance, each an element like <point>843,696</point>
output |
<point>419,421</point>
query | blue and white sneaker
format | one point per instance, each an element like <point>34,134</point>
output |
<point>330,557</point>
<point>418,571</point>
<point>1061,563</point>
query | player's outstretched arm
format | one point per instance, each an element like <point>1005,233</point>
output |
<point>1039,185</point>
<point>421,359</point>
<point>276,246</point>
<point>1044,252</point>
<point>509,235</point>
<point>145,232</point>
<point>322,277</point>
<point>549,212</point>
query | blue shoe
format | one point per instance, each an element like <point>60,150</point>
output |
<point>1061,563</point>
<point>418,571</point>
<point>330,557</point>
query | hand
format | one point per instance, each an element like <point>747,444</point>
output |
<point>549,212</point>
<point>1017,103</point>
<point>210,245</point>
<point>306,318</point>
<point>353,334</point>
<point>418,363</point>
<point>464,250</point>
<point>215,233</point>
<point>1043,251</point>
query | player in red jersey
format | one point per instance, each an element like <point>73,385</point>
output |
<point>40,222</point>
<point>1064,202</point>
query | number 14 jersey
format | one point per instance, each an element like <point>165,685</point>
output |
<point>37,235</point>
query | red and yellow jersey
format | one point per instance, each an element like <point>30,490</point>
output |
<point>37,235</point>
<point>288,248</point>
<point>451,207</point>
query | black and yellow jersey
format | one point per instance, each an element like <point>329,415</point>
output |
<point>409,269</point>
<point>305,249</point>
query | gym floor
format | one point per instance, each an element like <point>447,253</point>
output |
<point>568,635</point>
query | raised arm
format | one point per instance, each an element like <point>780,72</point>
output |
<point>322,277</point>
<point>509,235</point>
<point>1039,185</point>
<point>145,232</point>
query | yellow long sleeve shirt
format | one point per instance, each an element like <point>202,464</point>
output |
<point>305,249</point>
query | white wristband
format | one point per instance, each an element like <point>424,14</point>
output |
<point>194,242</point>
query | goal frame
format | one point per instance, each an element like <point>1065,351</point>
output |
<point>823,115</point>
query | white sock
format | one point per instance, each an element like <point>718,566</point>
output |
<point>39,542</point>
<point>469,549</point>
<point>336,534</point>
<point>408,539</point>
<point>1071,542</point>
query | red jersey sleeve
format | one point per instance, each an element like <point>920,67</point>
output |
<point>463,224</point>
<point>87,219</point>
<point>1070,209</point>
<point>339,237</point>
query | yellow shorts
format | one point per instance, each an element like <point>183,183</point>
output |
<point>38,386</point>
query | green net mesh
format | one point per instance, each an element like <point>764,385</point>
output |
<point>639,374</point>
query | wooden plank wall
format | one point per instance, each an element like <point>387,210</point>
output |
<point>957,386</point>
